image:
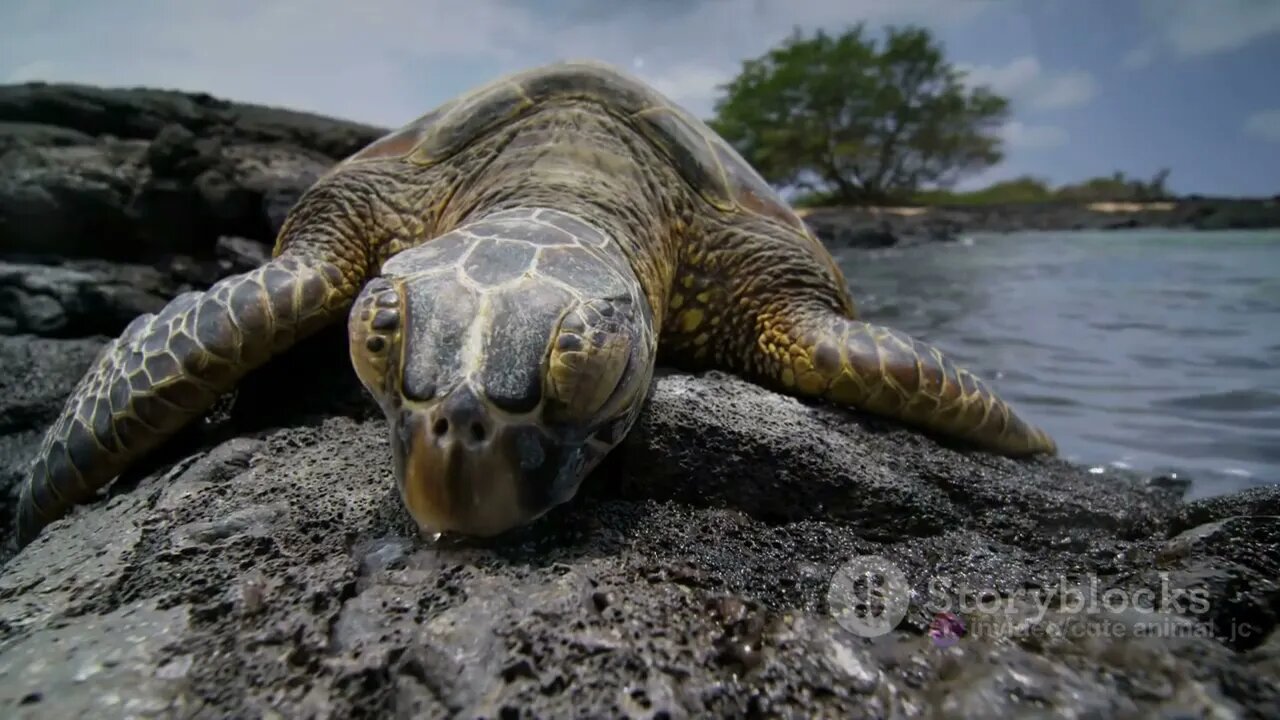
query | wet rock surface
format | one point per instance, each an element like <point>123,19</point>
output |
<point>261,564</point>
<point>274,571</point>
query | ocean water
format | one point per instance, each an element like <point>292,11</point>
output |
<point>1151,350</point>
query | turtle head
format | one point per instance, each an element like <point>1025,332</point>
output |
<point>503,384</point>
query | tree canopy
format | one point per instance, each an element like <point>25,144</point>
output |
<point>859,119</point>
<point>1027,189</point>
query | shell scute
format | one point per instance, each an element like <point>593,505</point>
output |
<point>686,147</point>
<point>750,191</point>
<point>712,167</point>
<point>485,110</point>
<point>588,80</point>
<point>401,142</point>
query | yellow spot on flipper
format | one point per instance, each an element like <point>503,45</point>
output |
<point>701,339</point>
<point>703,296</point>
<point>690,320</point>
<point>687,281</point>
<point>808,380</point>
<point>677,301</point>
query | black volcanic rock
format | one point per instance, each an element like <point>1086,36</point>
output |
<point>275,571</point>
<point>142,113</point>
<point>135,201</point>
<point>18,134</point>
<point>873,228</point>
<point>261,563</point>
<point>79,298</point>
<point>136,174</point>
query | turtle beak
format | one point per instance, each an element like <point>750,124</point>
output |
<point>462,468</point>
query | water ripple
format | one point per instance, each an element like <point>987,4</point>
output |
<point>1155,350</point>
<point>1228,401</point>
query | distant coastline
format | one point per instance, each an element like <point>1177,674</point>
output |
<point>164,171</point>
<point>887,226</point>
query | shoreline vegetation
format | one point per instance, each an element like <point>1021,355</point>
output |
<point>877,226</point>
<point>856,120</point>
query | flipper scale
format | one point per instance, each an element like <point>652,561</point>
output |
<point>166,369</point>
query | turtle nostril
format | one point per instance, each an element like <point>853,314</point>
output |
<point>440,428</point>
<point>463,419</point>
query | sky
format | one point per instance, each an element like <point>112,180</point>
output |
<point>1096,85</point>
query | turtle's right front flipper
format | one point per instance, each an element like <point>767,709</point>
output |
<point>882,371</point>
<point>168,368</point>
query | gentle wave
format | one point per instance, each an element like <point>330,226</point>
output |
<point>1154,350</point>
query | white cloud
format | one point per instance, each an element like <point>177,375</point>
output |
<point>1024,80</point>
<point>1070,89</point>
<point>388,62</point>
<point>1013,77</point>
<point>1264,124</point>
<point>1195,28</point>
<point>1021,136</point>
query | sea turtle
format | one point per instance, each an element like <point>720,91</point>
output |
<point>512,265</point>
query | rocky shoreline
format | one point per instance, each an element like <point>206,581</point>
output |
<point>137,174</point>
<point>263,566</point>
<point>877,227</point>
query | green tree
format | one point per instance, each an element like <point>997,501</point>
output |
<point>857,119</point>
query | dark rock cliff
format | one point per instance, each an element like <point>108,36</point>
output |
<point>262,566</point>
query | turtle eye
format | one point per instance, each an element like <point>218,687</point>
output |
<point>589,357</point>
<point>374,331</point>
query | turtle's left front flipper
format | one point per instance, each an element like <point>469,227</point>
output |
<point>168,368</point>
<point>856,364</point>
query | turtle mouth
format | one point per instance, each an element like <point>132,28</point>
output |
<point>464,467</point>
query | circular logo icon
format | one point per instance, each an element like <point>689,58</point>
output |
<point>868,595</point>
